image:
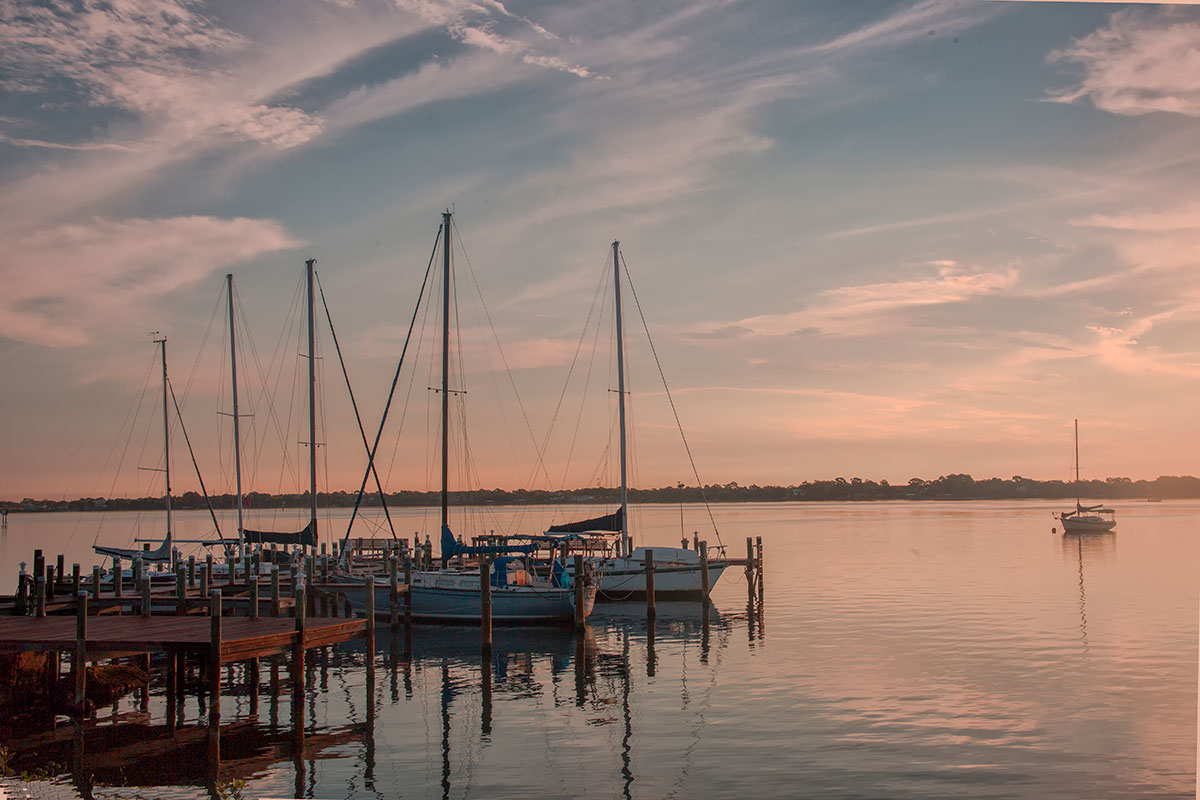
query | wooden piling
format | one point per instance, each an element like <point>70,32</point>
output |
<point>39,563</point>
<point>394,596</point>
<point>180,590</point>
<point>76,581</point>
<point>22,591</point>
<point>704,584</point>
<point>369,590</point>
<point>758,562</point>
<point>485,603</point>
<point>79,662</point>
<point>137,572</point>
<point>275,599</point>
<point>60,568</point>
<point>118,577</point>
<point>651,611</point>
<point>580,598</point>
<point>408,605</point>
<point>39,593</point>
<point>147,608</point>
<point>95,580</point>
<point>204,584</point>
<point>214,658</point>
<point>50,582</point>
<point>298,610</point>
<point>191,572</point>
<point>254,597</point>
<point>208,568</point>
<point>750,569</point>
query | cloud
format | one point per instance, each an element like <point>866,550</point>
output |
<point>86,146</point>
<point>1137,64</point>
<point>68,282</point>
<point>869,308</point>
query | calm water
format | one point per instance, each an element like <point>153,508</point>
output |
<point>906,650</point>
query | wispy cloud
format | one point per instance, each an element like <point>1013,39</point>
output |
<point>69,282</point>
<point>1137,64</point>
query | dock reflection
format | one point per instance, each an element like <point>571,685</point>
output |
<point>592,676</point>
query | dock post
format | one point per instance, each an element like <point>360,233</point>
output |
<point>60,568</point>
<point>214,659</point>
<point>204,582</point>
<point>275,601</point>
<point>325,604</point>
<point>191,572</point>
<point>208,568</point>
<point>180,591</point>
<point>485,603</point>
<point>750,569</point>
<point>50,582</point>
<point>651,611</point>
<point>254,598</point>
<point>76,580</point>
<point>22,592</point>
<point>79,667</point>
<point>394,597</point>
<point>137,572</point>
<point>408,600</point>
<point>580,595</point>
<point>146,607</point>
<point>247,563</point>
<point>758,560</point>
<point>704,584</point>
<point>39,563</point>
<point>298,611</point>
<point>39,593</point>
<point>118,577</point>
<point>96,581</point>
<point>369,594</point>
<point>172,687</point>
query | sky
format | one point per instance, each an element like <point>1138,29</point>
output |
<point>870,239</point>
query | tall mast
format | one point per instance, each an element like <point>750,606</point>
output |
<point>312,401</point>
<point>1078,504</point>
<point>166,435</point>
<point>445,368</point>
<point>625,548</point>
<point>237,438</point>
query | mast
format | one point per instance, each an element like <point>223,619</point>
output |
<point>237,440</point>
<point>445,368</point>
<point>625,545</point>
<point>166,435</point>
<point>312,402</point>
<point>1078,503</point>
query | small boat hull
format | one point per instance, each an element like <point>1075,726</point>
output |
<point>1087,524</point>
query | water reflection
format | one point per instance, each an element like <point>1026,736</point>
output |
<point>333,724</point>
<point>1096,547</point>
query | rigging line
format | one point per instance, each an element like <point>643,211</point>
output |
<point>391,392</point>
<point>601,285</point>
<point>199,477</point>
<point>187,388</point>
<point>503,358</point>
<point>353,404</point>
<point>671,400</point>
<point>408,393</point>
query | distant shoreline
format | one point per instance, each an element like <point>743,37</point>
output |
<point>959,487</point>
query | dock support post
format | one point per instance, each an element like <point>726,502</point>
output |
<point>369,590</point>
<point>208,568</point>
<point>171,688</point>
<point>298,610</point>
<point>408,600</point>
<point>651,611</point>
<point>95,581</point>
<point>275,600</point>
<point>79,667</point>
<point>204,584</point>
<point>325,604</point>
<point>191,569</point>
<point>60,568</point>
<point>580,596</point>
<point>76,580</point>
<point>118,577</point>
<point>485,604</point>
<point>704,584</point>
<point>394,597</point>
<point>50,582</point>
<point>214,658</point>
<point>39,593</point>
<point>39,563</point>
<point>146,607</point>
<point>254,598</point>
<point>180,591</point>
<point>758,561</point>
<point>22,592</point>
<point>750,569</point>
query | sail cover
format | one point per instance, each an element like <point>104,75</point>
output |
<point>451,547</point>
<point>308,536</point>
<point>609,522</point>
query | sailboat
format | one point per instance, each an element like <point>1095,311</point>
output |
<point>623,576</point>
<point>1086,519</point>
<point>519,594</point>
<point>162,553</point>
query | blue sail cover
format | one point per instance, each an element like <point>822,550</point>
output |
<point>308,536</point>
<point>451,547</point>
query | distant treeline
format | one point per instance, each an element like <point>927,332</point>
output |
<point>946,487</point>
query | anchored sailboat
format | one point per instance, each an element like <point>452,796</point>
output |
<point>623,577</point>
<point>1086,519</point>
